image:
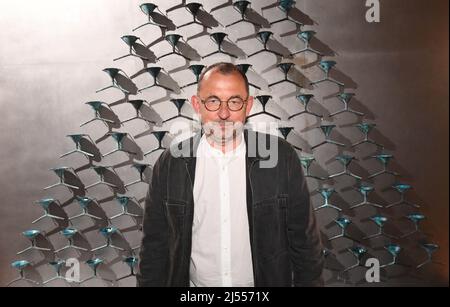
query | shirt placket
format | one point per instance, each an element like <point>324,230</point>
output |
<point>225,223</point>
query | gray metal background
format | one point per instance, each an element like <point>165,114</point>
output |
<point>52,54</point>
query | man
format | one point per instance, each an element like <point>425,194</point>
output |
<point>215,215</point>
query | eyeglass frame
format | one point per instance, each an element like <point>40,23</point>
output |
<point>244,102</point>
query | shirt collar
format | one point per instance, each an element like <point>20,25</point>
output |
<point>206,150</point>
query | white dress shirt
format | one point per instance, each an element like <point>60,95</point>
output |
<point>221,253</point>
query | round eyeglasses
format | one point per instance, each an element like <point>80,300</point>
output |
<point>234,104</point>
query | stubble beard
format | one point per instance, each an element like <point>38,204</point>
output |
<point>223,134</point>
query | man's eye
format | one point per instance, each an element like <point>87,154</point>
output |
<point>213,101</point>
<point>234,101</point>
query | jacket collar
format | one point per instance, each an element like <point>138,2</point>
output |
<point>192,144</point>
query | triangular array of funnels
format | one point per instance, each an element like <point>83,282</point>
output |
<point>356,220</point>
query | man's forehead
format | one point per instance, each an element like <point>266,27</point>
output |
<point>235,81</point>
<point>216,73</point>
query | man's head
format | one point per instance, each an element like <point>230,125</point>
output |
<point>223,101</point>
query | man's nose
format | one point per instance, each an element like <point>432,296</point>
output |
<point>224,112</point>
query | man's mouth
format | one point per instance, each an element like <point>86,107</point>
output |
<point>222,129</point>
<point>224,125</point>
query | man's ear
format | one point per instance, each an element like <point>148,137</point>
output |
<point>195,104</point>
<point>249,106</point>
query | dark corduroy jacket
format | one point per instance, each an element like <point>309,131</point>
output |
<point>285,242</point>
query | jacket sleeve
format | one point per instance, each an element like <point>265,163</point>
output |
<point>304,239</point>
<point>154,253</point>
